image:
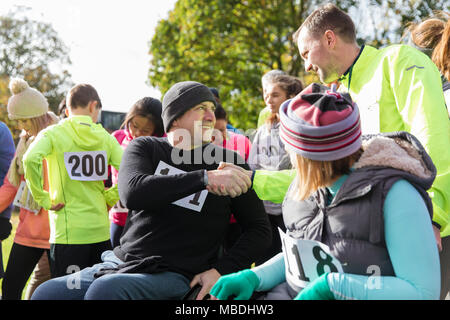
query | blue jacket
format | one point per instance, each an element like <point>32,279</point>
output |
<point>7,150</point>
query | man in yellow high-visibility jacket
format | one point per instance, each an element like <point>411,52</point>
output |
<point>397,88</point>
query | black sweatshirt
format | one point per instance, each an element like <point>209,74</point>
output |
<point>188,240</point>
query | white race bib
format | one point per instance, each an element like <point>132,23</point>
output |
<point>18,196</point>
<point>194,201</point>
<point>87,165</point>
<point>369,106</point>
<point>306,260</point>
<point>370,118</point>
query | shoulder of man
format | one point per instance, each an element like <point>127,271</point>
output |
<point>150,141</point>
<point>411,56</point>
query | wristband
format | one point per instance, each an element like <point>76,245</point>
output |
<point>253,177</point>
<point>205,177</point>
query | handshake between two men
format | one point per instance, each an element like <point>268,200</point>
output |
<point>229,180</point>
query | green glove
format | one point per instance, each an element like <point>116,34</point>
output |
<point>316,290</point>
<point>240,284</point>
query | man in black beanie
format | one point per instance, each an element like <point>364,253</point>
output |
<point>181,97</point>
<point>176,224</point>
<point>178,101</point>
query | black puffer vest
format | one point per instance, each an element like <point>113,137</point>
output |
<point>352,225</point>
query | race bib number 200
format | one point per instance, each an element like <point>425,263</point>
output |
<point>86,165</point>
<point>306,260</point>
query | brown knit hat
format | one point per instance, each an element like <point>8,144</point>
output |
<point>25,102</point>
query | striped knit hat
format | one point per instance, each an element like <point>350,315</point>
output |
<point>321,124</point>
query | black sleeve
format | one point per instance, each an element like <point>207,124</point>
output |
<point>5,228</point>
<point>256,235</point>
<point>140,189</point>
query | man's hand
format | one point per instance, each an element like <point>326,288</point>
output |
<point>225,165</point>
<point>437,236</point>
<point>207,280</point>
<point>230,180</point>
<point>57,207</point>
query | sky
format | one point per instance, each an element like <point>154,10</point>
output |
<point>108,42</point>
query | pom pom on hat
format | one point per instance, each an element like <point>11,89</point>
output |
<point>321,124</point>
<point>25,102</point>
<point>17,85</point>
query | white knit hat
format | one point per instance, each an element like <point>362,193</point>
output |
<point>25,102</point>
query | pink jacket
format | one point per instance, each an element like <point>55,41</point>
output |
<point>239,143</point>
<point>33,229</point>
<point>118,213</point>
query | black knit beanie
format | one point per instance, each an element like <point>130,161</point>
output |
<point>181,97</point>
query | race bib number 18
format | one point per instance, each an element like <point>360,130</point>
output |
<point>306,260</point>
<point>86,165</point>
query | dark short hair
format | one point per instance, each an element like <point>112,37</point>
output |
<point>62,108</point>
<point>215,92</point>
<point>80,96</point>
<point>149,108</point>
<point>329,17</point>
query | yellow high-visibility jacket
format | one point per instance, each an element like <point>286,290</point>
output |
<point>397,88</point>
<point>75,148</point>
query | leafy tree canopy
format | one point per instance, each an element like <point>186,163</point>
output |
<point>33,51</point>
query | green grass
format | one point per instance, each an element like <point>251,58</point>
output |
<point>7,244</point>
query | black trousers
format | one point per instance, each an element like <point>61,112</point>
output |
<point>21,263</point>
<point>69,258</point>
<point>445,267</point>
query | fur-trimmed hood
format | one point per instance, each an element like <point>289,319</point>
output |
<point>397,155</point>
<point>398,150</point>
<point>352,225</point>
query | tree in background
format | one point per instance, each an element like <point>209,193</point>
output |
<point>33,51</point>
<point>230,44</point>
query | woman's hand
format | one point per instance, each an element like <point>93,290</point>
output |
<point>57,207</point>
<point>239,285</point>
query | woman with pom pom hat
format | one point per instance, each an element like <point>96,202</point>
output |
<point>30,108</point>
